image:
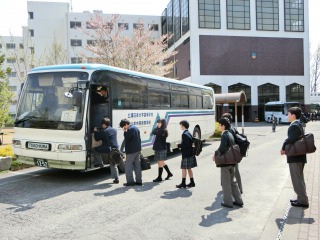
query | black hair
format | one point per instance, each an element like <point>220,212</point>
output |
<point>106,121</point>
<point>124,122</point>
<point>225,122</point>
<point>227,115</point>
<point>296,111</point>
<point>163,126</point>
<point>184,123</point>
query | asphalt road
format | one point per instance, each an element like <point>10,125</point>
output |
<point>42,203</point>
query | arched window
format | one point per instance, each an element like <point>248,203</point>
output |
<point>241,87</point>
<point>295,93</point>
<point>268,93</point>
<point>216,88</point>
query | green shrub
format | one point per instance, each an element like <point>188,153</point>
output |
<point>217,133</point>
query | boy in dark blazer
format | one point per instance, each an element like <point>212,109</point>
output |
<point>296,163</point>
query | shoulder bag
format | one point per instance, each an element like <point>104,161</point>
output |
<point>304,145</point>
<point>231,156</point>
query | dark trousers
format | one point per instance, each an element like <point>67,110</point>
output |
<point>297,178</point>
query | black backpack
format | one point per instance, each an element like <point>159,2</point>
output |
<point>197,146</point>
<point>243,143</point>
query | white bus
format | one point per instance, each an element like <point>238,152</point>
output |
<point>278,110</point>
<point>55,117</point>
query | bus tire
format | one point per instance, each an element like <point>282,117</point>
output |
<point>121,167</point>
<point>197,133</point>
<point>280,121</point>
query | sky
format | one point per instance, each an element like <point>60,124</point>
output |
<point>13,13</point>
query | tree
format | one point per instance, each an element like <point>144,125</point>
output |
<point>140,52</point>
<point>315,70</point>
<point>6,94</point>
<point>55,54</point>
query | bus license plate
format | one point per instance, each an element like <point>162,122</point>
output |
<point>41,162</point>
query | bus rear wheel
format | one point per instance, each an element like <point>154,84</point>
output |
<point>197,133</point>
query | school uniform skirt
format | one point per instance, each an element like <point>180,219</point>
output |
<point>188,162</point>
<point>160,155</point>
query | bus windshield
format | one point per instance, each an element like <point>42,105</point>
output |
<point>52,101</point>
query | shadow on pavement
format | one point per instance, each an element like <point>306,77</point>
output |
<point>216,217</point>
<point>178,193</point>
<point>295,216</point>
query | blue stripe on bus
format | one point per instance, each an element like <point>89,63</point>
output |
<point>170,115</point>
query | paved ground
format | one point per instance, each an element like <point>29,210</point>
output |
<point>41,203</point>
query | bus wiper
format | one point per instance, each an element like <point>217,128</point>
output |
<point>25,119</point>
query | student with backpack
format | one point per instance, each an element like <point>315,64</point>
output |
<point>234,131</point>
<point>188,158</point>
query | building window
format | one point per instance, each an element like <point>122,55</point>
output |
<point>21,46</point>
<point>30,15</point>
<point>164,25</point>
<point>241,87</point>
<point>124,26</point>
<point>12,74</point>
<point>32,50</point>
<point>90,25</point>
<point>267,15</point>
<point>209,14</point>
<point>153,27</point>
<point>10,45</point>
<point>294,15</point>
<point>31,32</point>
<point>92,42</point>
<point>138,26</point>
<point>184,16</point>
<point>76,60</point>
<point>176,20</point>
<point>170,23</point>
<point>268,93</point>
<point>295,93</point>
<point>11,60</point>
<point>75,24</point>
<point>76,42</point>
<point>238,14</point>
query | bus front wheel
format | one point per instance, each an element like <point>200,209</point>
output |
<point>121,167</point>
<point>280,121</point>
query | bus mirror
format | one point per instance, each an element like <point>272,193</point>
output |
<point>77,98</point>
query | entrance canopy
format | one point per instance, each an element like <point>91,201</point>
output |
<point>235,98</point>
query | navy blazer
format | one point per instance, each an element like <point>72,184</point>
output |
<point>295,131</point>
<point>108,136</point>
<point>161,138</point>
<point>132,140</point>
<point>186,144</point>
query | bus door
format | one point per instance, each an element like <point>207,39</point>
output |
<point>99,109</point>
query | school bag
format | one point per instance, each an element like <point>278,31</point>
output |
<point>243,143</point>
<point>197,146</point>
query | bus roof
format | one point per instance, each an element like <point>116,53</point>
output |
<point>279,102</point>
<point>94,67</point>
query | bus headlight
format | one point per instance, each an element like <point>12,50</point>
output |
<point>69,147</point>
<point>16,143</point>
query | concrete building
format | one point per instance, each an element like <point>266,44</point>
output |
<point>258,46</point>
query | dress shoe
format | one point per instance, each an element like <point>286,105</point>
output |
<point>181,185</point>
<point>238,204</point>
<point>190,185</point>
<point>225,205</point>
<point>157,179</point>
<point>293,200</point>
<point>169,176</point>
<point>297,204</point>
<point>116,181</point>
<point>138,183</point>
<point>128,184</point>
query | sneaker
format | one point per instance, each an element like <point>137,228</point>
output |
<point>116,181</point>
